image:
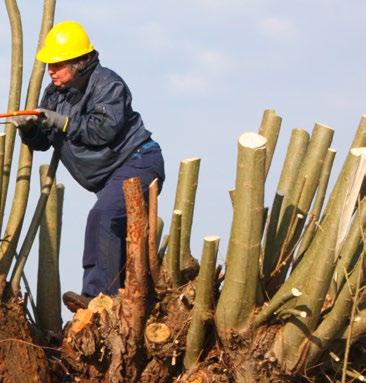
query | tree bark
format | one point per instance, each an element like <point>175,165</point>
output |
<point>20,359</point>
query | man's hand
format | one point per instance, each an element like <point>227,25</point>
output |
<point>52,120</point>
<point>25,123</point>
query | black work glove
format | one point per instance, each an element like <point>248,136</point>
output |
<point>49,120</point>
<point>24,123</point>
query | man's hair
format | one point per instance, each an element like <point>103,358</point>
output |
<point>78,64</point>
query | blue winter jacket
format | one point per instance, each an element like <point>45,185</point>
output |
<point>103,130</point>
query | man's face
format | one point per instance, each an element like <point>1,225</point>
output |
<point>61,73</point>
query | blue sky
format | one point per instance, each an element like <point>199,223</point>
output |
<point>201,73</point>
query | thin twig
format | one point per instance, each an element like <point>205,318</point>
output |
<point>292,224</point>
<point>29,344</point>
<point>289,255</point>
<point>30,295</point>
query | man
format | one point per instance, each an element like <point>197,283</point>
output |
<point>88,118</point>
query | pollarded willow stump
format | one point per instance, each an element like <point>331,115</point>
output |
<point>21,360</point>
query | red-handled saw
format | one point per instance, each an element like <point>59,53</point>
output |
<point>29,112</point>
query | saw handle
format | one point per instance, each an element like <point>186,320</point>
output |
<point>30,112</point>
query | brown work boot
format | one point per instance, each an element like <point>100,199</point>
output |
<point>75,301</point>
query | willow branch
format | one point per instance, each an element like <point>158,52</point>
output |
<point>184,201</point>
<point>48,280</point>
<point>15,222</point>
<point>300,196</point>
<point>318,276</point>
<point>238,295</point>
<point>203,304</point>
<point>173,255</point>
<point>16,78</point>
<point>33,227</point>
<point>319,200</point>
<point>270,129</point>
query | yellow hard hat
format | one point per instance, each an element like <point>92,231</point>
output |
<point>65,41</point>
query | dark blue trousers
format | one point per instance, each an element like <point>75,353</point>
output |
<point>105,236</point>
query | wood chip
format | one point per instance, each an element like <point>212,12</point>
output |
<point>81,319</point>
<point>100,303</point>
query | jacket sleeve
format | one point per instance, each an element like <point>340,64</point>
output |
<point>100,126</point>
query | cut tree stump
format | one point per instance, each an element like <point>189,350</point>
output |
<point>20,359</point>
